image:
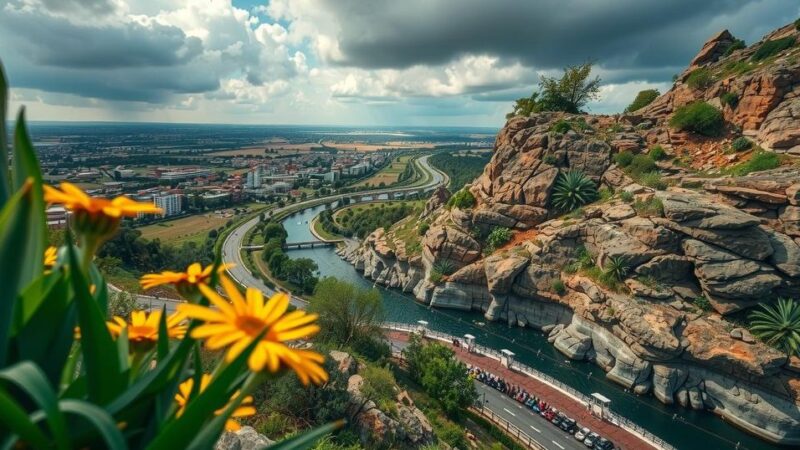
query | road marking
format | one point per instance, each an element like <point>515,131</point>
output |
<point>559,445</point>
<point>536,429</point>
<point>506,410</point>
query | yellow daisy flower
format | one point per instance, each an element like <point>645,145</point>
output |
<point>50,257</point>
<point>96,215</point>
<point>243,410</point>
<point>185,282</point>
<point>143,327</point>
<point>235,325</point>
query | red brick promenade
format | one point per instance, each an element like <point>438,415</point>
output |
<point>557,399</point>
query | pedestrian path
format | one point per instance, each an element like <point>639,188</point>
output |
<point>620,437</point>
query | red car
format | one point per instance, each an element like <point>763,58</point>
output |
<point>550,413</point>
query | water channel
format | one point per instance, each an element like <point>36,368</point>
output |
<point>683,428</point>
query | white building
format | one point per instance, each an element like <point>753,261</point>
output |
<point>171,204</point>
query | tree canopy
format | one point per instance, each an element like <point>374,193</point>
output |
<point>570,93</point>
<point>347,315</point>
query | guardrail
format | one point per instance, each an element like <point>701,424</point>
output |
<point>580,397</point>
<point>514,432</point>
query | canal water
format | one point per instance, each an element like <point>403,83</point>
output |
<point>683,428</point>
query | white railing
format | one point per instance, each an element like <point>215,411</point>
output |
<point>580,397</point>
<point>511,430</point>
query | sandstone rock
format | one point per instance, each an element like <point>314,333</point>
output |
<point>695,211</point>
<point>245,438</point>
<point>667,268</point>
<point>572,343</point>
<point>609,240</point>
<point>651,234</point>
<point>439,197</point>
<point>786,257</point>
<point>793,194</point>
<point>451,245</point>
<point>712,50</point>
<point>345,363</point>
<point>618,212</point>
<point>501,271</point>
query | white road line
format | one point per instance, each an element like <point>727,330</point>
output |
<point>536,429</point>
<point>559,445</point>
<point>506,410</point>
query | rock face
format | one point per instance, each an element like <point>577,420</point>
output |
<point>692,258</point>
<point>244,439</point>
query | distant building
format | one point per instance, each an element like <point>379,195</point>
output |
<point>56,217</point>
<point>171,204</point>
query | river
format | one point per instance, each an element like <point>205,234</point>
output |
<point>683,428</point>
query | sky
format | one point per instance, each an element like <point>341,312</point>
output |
<point>347,62</point>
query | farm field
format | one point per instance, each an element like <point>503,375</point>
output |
<point>365,147</point>
<point>185,229</point>
<point>389,174</point>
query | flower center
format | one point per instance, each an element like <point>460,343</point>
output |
<point>250,325</point>
<point>141,332</point>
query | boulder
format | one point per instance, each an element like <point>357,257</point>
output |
<point>502,270</point>
<point>246,438</point>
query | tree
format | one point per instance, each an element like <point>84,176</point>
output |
<point>347,314</point>
<point>778,325</point>
<point>435,367</point>
<point>274,230</point>
<point>643,98</point>
<point>523,107</point>
<point>121,304</point>
<point>301,271</point>
<point>571,92</point>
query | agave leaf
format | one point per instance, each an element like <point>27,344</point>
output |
<point>178,432</point>
<point>30,379</point>
<point>100,419</point>
<point>26,167</point>
<point>15,423</point>
<point>14,235</point>
<point>105,379</point>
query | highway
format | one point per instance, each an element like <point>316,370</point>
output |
<point>532,424</point>
<point>231,246</point>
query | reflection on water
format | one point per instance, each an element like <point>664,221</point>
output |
<point>683,428</point>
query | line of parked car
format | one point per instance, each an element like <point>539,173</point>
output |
<point>589,438</point>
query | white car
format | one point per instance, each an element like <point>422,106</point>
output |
<point>582,433</point>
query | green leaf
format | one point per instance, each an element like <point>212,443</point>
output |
<point>32,381</point>
<point>14,235</point>
<point>123,349</point>
<point>101,420</point>
<point>26,167</point>
<point>163,335</point>
<point>14,419</point>
<point>5,188</point>
<point>307,439</point>
<point>105,379</point>
<point>179,431</point>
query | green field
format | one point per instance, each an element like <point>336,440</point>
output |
<point>388,175</point>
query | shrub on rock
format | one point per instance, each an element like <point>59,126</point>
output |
<point>572,190</point>
<point>643,98</point>
<point>698,117</point>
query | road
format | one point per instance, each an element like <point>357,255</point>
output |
<point>532,424</point>
<point>231,246</point>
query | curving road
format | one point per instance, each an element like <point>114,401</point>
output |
<point>231,246</point>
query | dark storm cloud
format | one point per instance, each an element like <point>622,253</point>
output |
<point>52,41</point>
<point>98,7</point>
<point>543,33</point>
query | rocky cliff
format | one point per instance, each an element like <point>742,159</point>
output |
<point>697,254</point>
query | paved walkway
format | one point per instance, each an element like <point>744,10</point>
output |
<point>557,399</point>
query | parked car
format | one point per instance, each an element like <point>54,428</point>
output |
<point>591,439</point>
<point>582,433</point>
<point>568,424</point>
<point>550,413</point>
<point>557,419</point>
<point>603,444</point>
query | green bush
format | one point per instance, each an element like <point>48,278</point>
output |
<point>444,267</point>
<point>423,228</point>
<point>760,160</point>
<point>562,126</point>
<point>626,196</point>
<point>730,99</point>
<point>559,287</point>
<point>640,165</point>
<point>700,78</point>
<point>571,190</point>
<point>653,180</point>
<point>623,159</point>
<point>435,276</point>
<point>698,117</point>
<point>772,48</point>
<point>741,144</point>
<point>643,98</point>
<point>605,193</point>
<point>702,303</point>
<point>615,268</point>
<point>657,153</point>
<point>462,199</point>
<point>738,44</point>
<point>550,159</point>
<point>498,237</point>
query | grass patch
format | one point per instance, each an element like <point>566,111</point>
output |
<point>700,78</point>
<point>759,161</point>
<point>698,117</point>
<point>653,180</point>
<point>772,48</point>
<point>653,207</point>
